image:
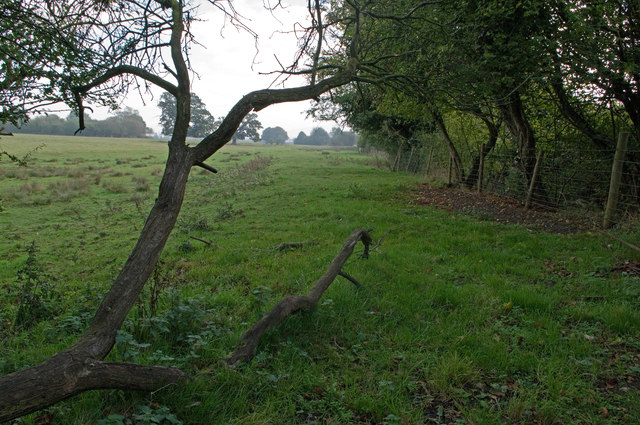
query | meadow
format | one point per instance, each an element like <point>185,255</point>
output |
<point>458,320</point>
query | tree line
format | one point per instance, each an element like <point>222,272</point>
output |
<point>320,137</point>
<point>126,122</point>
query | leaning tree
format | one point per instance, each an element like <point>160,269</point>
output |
<point>94,51</point>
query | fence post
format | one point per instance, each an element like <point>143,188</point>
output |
<point>616,177</point>
<point>481,168</point>
<point>429,162</point>
<point>450,170</point>
<point>534,178</point>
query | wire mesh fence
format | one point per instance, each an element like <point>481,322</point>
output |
<point>572,179</point>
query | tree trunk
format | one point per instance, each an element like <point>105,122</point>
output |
<point>472,178</point>
<point>79,368</point>
<point>518,125</point>
<point>631,102</point>
<point>577,120</point>
<point>453,152</point>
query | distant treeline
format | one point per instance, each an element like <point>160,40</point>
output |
<point>126,122</point>
<point>320,137</point>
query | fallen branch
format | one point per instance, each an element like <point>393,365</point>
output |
<point>208,243</point>
<point>350,279</point>
<point>69,373</point>
<point>628,244</point>
<point>292,245</point>
<point>245,350</point>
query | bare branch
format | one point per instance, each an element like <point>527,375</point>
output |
<point>260,99</point>
<point>206,167</point>
<point>250,340</point>
<point>130,70</point>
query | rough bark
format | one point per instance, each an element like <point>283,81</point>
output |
<point>64,375</point>
<point>245,350</point>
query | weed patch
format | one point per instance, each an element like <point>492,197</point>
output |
<point>115,187</point>
<point>34,293</point>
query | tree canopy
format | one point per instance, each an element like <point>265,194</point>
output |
<point>249,129</point>
<point>320,137</point>
<point>496,64</point>
<point>274,135</point>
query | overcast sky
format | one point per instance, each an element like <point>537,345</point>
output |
<point>228,64</point>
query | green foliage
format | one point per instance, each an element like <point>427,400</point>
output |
<point>529,67</point>
<point>318,137</point>
<point>249,129</point>
<point>145,415</point>
<point>202,122</point>
<point>340,137</point>
<point>126,122</point>
<point>274,135</point>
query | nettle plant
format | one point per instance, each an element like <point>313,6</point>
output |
<point>35,292</point>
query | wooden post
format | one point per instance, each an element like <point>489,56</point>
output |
<point>429,162</point>
<point>450,170</point>
<point>616,177</point>
<point>481,168</point>
<point>410,158</point>
<point>534,178</point>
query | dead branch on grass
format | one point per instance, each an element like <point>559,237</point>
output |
<point>245,350</point>
<point>292,245</point>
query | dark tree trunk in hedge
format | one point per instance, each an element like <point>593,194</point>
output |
<point>472,178</point>
<point>515,119</point>
<point>453,152</point>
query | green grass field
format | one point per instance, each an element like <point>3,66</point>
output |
<point>458,320</point>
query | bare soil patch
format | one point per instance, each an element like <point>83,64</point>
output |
<point>495,208</point>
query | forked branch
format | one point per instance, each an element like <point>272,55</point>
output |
<point>245,350</point>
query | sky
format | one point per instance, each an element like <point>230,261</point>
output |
<point>228,65</point>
